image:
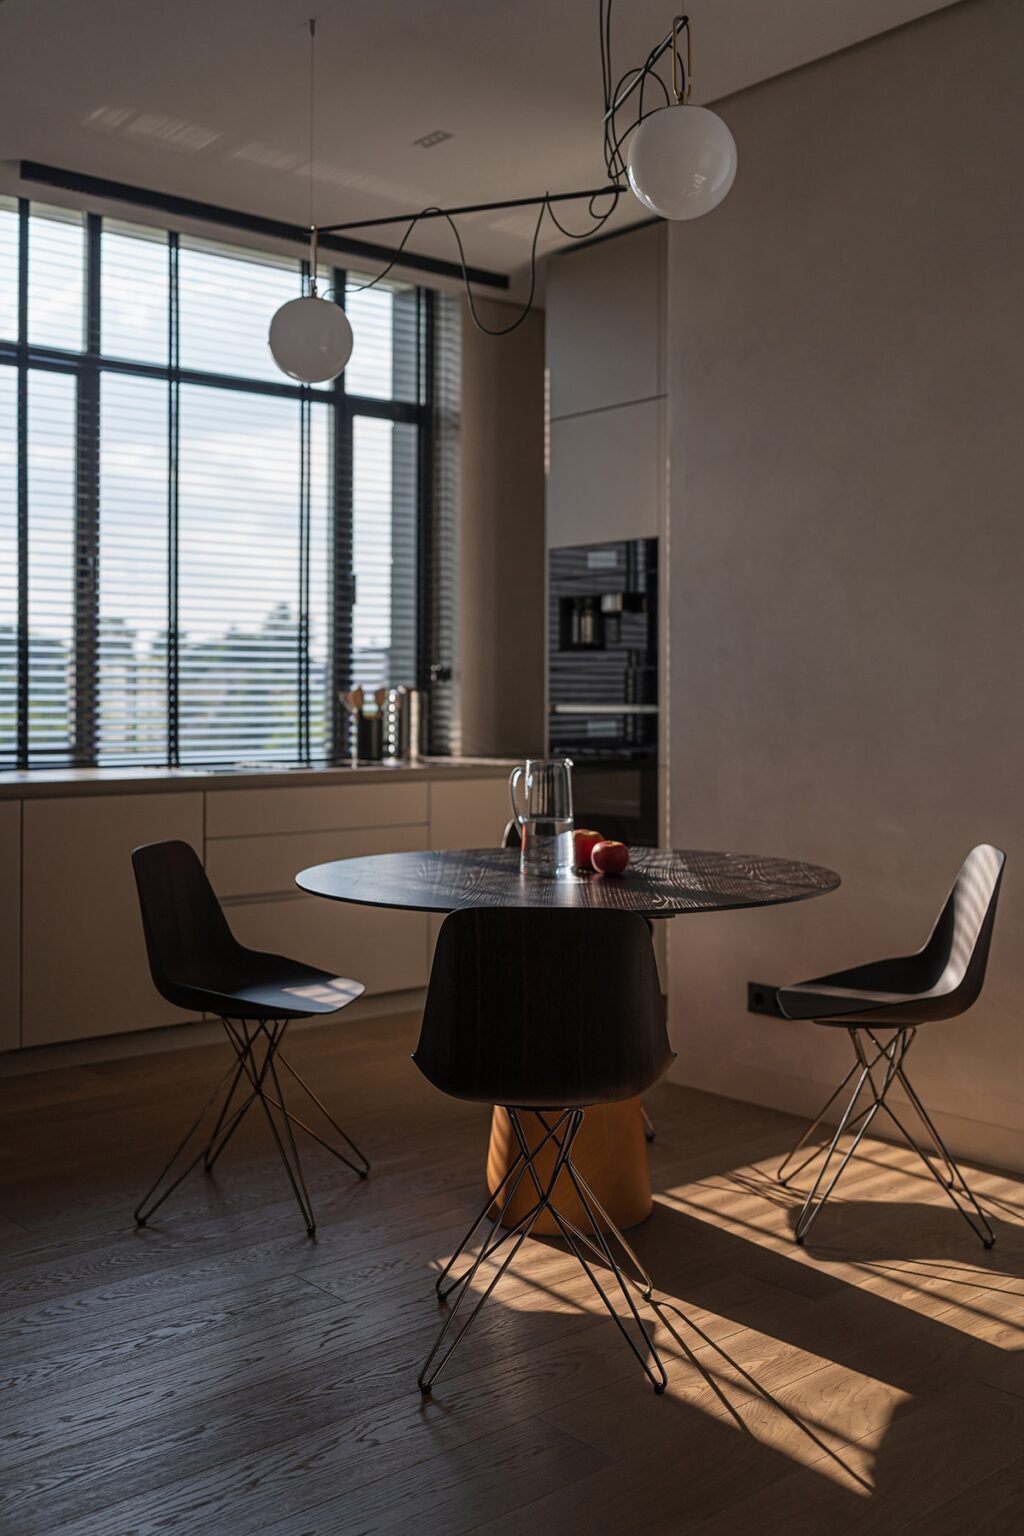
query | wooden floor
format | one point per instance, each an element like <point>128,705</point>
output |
<point>220,1373</point>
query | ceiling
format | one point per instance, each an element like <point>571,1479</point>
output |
<point>207,99</point>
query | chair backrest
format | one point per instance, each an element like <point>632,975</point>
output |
<point>543,1009</point>
<point>188,941</point>
<point>955,958</point>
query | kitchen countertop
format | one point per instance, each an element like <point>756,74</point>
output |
<point>41,783</point>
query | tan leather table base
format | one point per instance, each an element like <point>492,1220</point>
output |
<point>610,1152</point>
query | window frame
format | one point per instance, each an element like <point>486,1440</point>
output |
<point>87,367</point>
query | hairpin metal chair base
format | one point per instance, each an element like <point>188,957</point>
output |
<point>560,1129</point>
<point>256,1044</point>
<point>872,1056</point>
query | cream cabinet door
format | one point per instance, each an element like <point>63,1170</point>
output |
<point>605,322</point>
<point>468,813</point>
<point>607,476</point>
<point>84,960</point>
<point>10,925</point>
<point>385,950</point>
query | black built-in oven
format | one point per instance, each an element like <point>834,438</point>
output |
<point>603,682</point>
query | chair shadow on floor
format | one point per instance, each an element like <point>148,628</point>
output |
<point>838,1364</point>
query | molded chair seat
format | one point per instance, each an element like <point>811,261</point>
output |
<point>259,985</point>
<point>939,981</point>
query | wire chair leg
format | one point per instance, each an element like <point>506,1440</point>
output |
<point>258,1072</point>
<point>642,1280</point>
<point>363,1166</point>
<point>657,1376</point>
<point>518,1162</point>
<point>812,1208</point>
<point>956,1187</point>
<point>213,1151</point>
<point>144,1210</point>
<point>295,1174</point>
<point>587,1197</point>
<point>577,1241</point>
<point>780,1173</point>
<point>430,1372</point>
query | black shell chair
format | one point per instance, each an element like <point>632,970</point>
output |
<point>548,1011</point>
<point>940,981</point>
<point>197,963</point>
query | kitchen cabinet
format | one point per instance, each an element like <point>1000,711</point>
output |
<point>72,957</point>
<point>606,480</point>
<point>469,813</point>
<point>84,960</point>
<point>605,323</point>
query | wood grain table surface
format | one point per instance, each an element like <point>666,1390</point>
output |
<point>659,882</point>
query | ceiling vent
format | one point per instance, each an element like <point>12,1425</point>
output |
<point>430,139</point>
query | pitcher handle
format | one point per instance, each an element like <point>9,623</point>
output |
<point>513,782</point>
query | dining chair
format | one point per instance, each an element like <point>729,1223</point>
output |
<point>197,963</point>
<point>940,981</point>
<point>511,839</point>
<point>550,1012</point>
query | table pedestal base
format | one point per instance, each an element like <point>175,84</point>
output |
<point>610,1152</point>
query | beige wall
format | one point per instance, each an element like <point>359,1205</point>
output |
<point>501,553</point>
<point>846,376</point>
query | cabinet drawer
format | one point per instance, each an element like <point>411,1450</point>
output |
<point>257,866</point>
<point>239,812</point>
<point>386,951</point>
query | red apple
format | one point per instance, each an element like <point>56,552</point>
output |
<point>609,857</point>
<point>586,840</point>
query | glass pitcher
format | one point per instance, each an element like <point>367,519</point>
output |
<point>544,815</point>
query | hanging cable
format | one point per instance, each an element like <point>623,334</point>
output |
<point>613,97</point>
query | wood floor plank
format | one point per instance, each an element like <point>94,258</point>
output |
<point>933,1451</point>
<point>993,1506</point>
<point>445,1493</point>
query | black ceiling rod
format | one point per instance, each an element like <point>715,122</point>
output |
<point>610,189</point>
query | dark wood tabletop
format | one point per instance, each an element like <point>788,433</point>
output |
<point>658,883</point>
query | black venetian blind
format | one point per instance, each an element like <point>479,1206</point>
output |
<point>196,554</point>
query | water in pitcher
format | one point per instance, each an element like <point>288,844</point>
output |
<point>543,813</point>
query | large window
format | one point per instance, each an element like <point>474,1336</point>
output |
<point>196,556</point>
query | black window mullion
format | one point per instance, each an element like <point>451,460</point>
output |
<point>173,413</point>
<point>425,495</point>
<point>305,476</point>
<point>22,449</point>
<point>87,532</point>
<point>343,593</point>
<point>302,628</point>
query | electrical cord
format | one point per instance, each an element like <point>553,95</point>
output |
<point>615,167</point>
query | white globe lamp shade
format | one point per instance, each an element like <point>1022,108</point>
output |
<point>681,161</point>
<point>310,339</point>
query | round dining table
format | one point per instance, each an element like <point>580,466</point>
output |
<point>659,883</point>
